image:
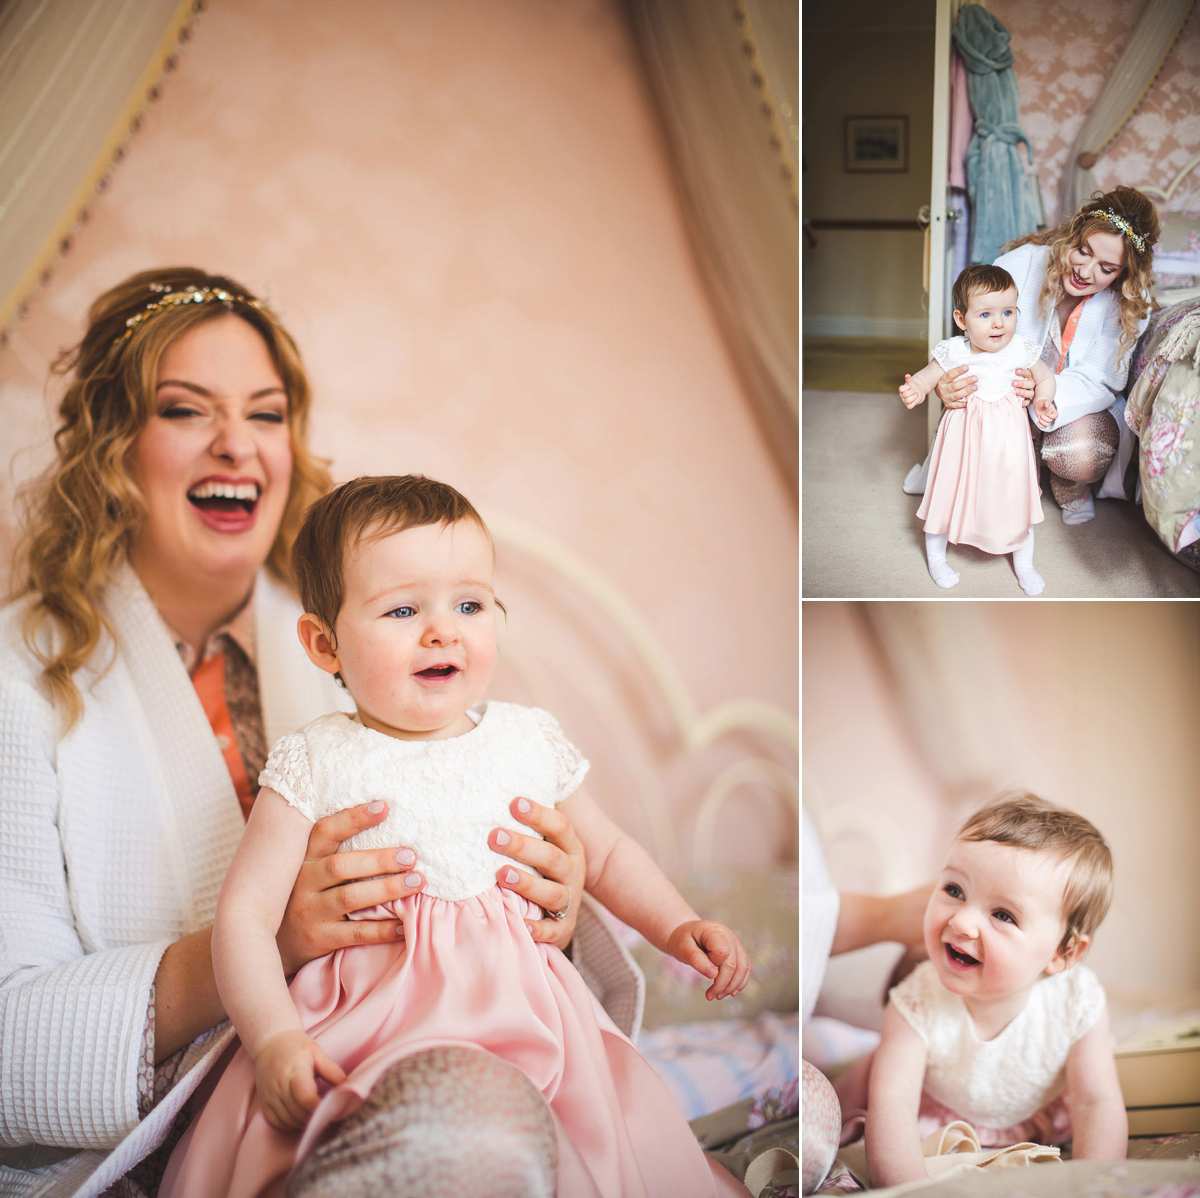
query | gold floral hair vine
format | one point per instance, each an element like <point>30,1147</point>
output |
<point>189,295</point>
<point>1123,225</point>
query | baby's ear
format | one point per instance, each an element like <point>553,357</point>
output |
<point>1071,955</point>
<point>319,642</point>
<point>958,320</point>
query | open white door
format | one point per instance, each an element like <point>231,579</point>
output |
<point>935,238</point>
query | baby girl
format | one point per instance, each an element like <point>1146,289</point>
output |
<point>983,485</point>
<point>1002,1026</point>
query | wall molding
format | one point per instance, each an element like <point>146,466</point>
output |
<point>865,326</point>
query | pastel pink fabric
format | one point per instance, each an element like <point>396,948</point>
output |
<point>468,973</point>
<point>983,486</point>
<point>1050,1125</point>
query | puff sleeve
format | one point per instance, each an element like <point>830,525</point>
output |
<point>570,765</point>
<point>288,772</point>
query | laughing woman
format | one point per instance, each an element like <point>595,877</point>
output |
<point>145,668</point>
<point>1083,288</point>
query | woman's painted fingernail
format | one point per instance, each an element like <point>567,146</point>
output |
<point>511,877</point>
<point>503,838</point>
<point>412,881</point>
<point>523,806</point>
<point>376,807</point>
<point>406,857</point>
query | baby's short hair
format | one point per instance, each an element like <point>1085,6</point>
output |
<point>371,507</point>
<point>981,277</point>
<point>1028,822</point>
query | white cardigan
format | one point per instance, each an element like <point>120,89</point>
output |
<point>113,844</point>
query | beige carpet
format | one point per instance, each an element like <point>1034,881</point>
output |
<point>862,540</point>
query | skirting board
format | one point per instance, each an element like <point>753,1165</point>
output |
<point>912,329</point>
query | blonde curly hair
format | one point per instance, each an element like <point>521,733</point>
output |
<point>81,514</point>
<point>1133,286</point>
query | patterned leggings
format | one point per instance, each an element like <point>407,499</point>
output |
<point>1078,455</point>
<point>439,1124</point>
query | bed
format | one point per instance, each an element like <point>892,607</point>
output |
<point>734,1067</point>
<point>1163,406</point>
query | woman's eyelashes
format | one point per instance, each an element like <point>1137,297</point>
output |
<point>178,411</point>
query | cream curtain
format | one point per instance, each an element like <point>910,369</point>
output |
<point>959,695</point>
<point>1149,45</point>
<point>73,76</point>
<point>726,78</point>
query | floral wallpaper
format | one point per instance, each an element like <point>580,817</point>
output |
<point>1063,53</point>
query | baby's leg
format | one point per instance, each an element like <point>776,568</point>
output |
<point>935,555</point>
<point>1032,583</point>
<point>442,1123</point>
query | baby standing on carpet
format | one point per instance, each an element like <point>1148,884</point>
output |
<point>1002,1026</point>
<point>983,484</point>
<point>395,575</point>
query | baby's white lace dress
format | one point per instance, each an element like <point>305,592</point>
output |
<point>994,371</point>
<point>1005,1080</point>
<point>444,796</point>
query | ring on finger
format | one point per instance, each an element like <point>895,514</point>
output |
<point>561,914</point>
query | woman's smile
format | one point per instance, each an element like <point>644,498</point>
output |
<point>226,504</point>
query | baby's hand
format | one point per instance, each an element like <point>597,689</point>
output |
<point>910,392</point>
<point>1045,412</point>
<point>286,1070</point>
<point>713,950</point>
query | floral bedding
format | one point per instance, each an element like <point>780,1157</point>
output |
<point>1164,411</point>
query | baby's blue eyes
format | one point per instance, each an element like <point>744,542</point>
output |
<point>1003,916</point>
<point>953,891</point>
<point>468,607</point>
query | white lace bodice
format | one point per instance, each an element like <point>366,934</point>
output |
<point>444,796</point>
<point>1005,1080</point>
<point>994,371</point>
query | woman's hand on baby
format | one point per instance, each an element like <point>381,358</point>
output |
<point>330,885</point>
<point>954,386</point>
<point>1024,386</point>
<point>557,855</point>
<point>713,950</point>
<point>911,393</point>
<point>286,1070</point>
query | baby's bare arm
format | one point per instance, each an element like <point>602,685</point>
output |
<point>1044,408</point>
<point>916,386</point>
<point>894,1097</point>
<point>625,878</point>
<point>1099,1125</point>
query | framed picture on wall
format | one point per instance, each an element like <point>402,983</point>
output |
<point>877,143</point>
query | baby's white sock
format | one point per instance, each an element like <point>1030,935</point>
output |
<point>935,554</point>
<point>1032,583</point>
